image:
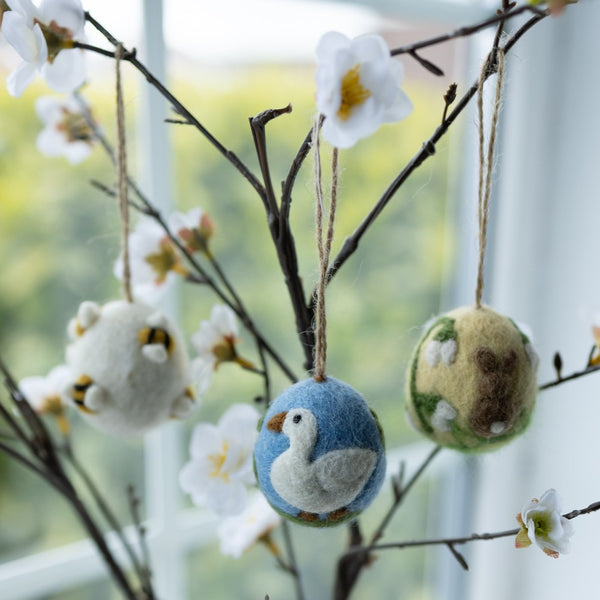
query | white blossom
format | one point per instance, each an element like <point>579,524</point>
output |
<point>194,229</point>
<point>154,261</point>
<point>43,38</point>
<point>541,522</point>
<point>358,87</point>
<point>66,131</point>
<point>221,461</point>
<point>240,532</point>
<point>46,394</point>
<point>215,342</point>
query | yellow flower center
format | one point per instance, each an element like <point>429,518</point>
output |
<point>57,38</point>
<point>165,260</point>
<point>353,93</point>
<point>218,460</point>
<point>75,127</point>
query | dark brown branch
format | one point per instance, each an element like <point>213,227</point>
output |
<point>257,125</point>
<point>293,563</point>
<point>570,377</point>
<point>470,30</point>
<point>284,240</point>
<point>476,537</point>
<point>351,564</point>
<point>146,573</point>
<point>148,209</point>
<point>427,150</point>
<point>131,57</point>
<point>110,518</point>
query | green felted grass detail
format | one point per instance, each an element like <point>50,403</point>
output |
<point>421,402</point>
<point>447,331</point>
<point>487,387</point>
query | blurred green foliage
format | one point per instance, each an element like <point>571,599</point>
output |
<point>59,238</point>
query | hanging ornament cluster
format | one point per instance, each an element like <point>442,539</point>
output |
<point>128,363</point>
<point>130,367</point>
<point>472,378</point>
<point>319,458</point>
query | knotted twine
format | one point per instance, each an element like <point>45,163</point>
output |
<point>486,162</point>
<point>324,249</point>
<point>122,180</point>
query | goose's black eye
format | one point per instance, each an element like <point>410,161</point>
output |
<point>297,418</point>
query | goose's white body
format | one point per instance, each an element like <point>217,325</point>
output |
<point>329,483</point>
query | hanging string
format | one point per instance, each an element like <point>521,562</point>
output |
<point>122,182</point>
<point>486,163</point>
<point>324,249</point>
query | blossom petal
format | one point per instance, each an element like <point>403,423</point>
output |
<point>522,540</point>
<point>226,498</point>
<point>48,108</point>
<point>20,78</point>
<point>66,13</point>
<point>25,8</point>
<point>66,72</point>
<point>19,34</point>
<point>76,152</point>
<point>206,439</point>
<point>50,142</point>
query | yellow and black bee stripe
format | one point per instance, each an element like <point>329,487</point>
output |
<point>155,335</point>
<point>80,387</point>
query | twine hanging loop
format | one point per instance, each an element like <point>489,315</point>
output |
<point>324,249</point>
<point>486,161</point>
<point>122,179</point>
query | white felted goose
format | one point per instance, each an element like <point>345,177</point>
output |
<point>326,485</point>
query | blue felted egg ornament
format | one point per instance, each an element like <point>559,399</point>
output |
<point>319,458</point>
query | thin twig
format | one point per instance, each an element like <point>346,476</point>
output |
<point>476,537</point>
<point>283,239</point>
<point>570,377</point>
<point>149,210</point>
<point>110,517</point>
<point>146,574</point>
<point>293,563</point>
<point>351,563</point>
<point>351,243</point>
<point>470,30</point>
<point>131,57</point>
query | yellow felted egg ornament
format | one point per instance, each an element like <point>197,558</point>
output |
<point>129,366</point>
<point>472,380</point>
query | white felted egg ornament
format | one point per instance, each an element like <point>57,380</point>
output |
<point>472,380</point>
<point>130,367</point>
<point>319,458</point>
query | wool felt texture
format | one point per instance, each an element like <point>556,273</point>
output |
<point>472,380</point>
<point>319,457</point>
<point>129,366</point>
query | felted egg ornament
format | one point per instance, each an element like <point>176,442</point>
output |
<point>472,380</point>
<point>319,457</point>
<point>130,367</point>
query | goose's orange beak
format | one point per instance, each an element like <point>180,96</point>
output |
<point>275,423</point>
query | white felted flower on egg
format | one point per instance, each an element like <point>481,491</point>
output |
<point>541,522</point>
<point>154,259</point>
<point>221,461</point>
<point>358,87</point>
<point>43,38</point>
<point>46,394</point>
<point>66,131</point>
<point>129,367</point>
<point>240,532</point>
